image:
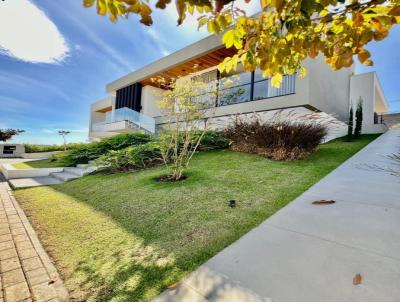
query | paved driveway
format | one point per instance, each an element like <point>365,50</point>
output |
<point>312,253</point>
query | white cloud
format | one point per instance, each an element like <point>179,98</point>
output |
<point>26,33</point>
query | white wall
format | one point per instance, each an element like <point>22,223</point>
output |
<point>329,90</point>
<point>364,86</point>
<point>150,97</point>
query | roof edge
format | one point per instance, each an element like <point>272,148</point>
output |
<point>187,53</point>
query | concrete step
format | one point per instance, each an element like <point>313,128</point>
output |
<point>33,182</point>
<point>76,171</point>
<point>64,176</point>
<point>83,166</point>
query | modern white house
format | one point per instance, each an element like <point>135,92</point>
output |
<point>131,104</point>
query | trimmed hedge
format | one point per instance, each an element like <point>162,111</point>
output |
<point>92,151</point>
<point>33,148</point>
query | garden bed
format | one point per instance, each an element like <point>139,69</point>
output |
<point>127,237</point>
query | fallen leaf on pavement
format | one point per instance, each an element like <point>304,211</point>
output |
<point>323,201</point>
<point>357,279</point>
<point>173,286</point>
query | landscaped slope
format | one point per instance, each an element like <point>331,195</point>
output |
<point>126,237</point>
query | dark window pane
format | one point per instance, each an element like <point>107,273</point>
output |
<point>261,90</point>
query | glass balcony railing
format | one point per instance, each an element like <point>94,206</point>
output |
<point>125,114</point>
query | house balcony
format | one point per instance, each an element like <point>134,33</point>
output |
<point>125,120</point>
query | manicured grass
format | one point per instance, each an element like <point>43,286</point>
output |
<point>57,161</point>
<point>126,237</point>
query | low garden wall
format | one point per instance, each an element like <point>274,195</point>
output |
<point>10,172</point>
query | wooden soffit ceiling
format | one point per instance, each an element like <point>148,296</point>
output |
<point>194,65</point>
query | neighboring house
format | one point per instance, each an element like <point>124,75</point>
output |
<point>392,120</point>
<point>132,100</point>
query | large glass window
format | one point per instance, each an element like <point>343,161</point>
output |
<point>239,92</point>
<point>234,95</point>
<point>263,88</point>
<point>247,86</point>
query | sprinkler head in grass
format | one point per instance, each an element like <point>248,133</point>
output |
<point>232,203</point>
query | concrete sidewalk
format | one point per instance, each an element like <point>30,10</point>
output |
<point>311,253</point>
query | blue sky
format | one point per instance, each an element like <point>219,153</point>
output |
<point>83,52</point>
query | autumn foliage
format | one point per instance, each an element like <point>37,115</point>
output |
<point>284,34</point>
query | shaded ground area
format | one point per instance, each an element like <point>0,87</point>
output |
<point>126,237</point>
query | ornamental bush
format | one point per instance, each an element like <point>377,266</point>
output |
<point>91,151</point>
<point>33,148</point>
<point>132,158</point>
<point>276,139</point>
<point>149,154</point>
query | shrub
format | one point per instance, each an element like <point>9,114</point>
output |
<point>350,125</point>
<point>92,151</point>
<point>276,139</point>
<point>359,118</point>
<point>212,140</point>
<point>33,148</point>
<point>149,154</point>
<point>132,158</point>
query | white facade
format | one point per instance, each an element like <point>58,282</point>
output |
<point>329,93</point>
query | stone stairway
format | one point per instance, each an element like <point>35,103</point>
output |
<point>68,173</point>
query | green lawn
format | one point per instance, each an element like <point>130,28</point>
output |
<point>55,162</point>
<point>126,237</point>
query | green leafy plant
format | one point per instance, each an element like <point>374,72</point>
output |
<point>84,153</point>
<point>149,154</point>
<point>33,148</point>
<point>132,158</point>
<point>184,112</point>
<point>359,118</point>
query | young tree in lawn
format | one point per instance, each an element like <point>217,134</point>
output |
<point>284,33</point>
<point>64,133</point>
<point>187,105</point>
<point>7,134</point>
<point>359,118</point>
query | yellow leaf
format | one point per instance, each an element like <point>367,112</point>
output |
<point>88,3</point>
<point>213,27</point>
<point>101,7</point>
<point>265,3</point>
<point>228,38</point>
<point>364,55</point>
<point>202,21</point>
<point>303,72</point>
<point>276,80</point>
